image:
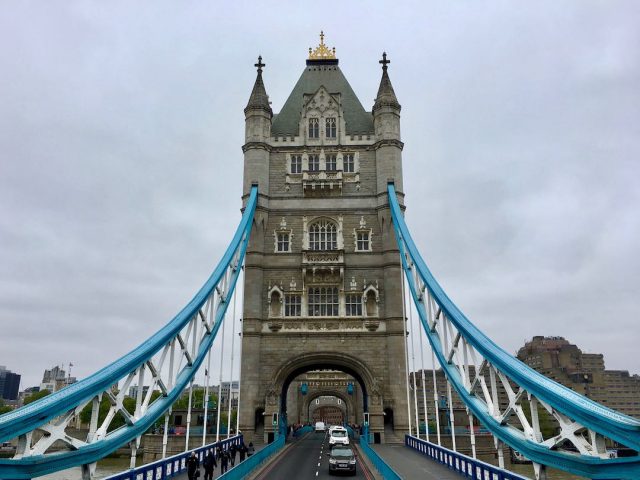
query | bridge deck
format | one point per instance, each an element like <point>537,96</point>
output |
<point>408,463</point>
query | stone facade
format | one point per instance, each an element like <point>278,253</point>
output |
<point>323,285</point>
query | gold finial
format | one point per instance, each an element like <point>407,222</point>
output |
<point>322,52</point>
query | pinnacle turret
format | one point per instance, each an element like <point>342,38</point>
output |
<point>386,96</point>
<point>259,98</point>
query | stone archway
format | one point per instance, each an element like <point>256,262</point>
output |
<point>326,360</point>
<point>276,398</point>
<point>348,404</point>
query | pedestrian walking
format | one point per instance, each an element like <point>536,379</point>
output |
<point>192,467</point>
<point>224,461</point>
<point>243,452</point>
<point>251,449</point>
<point>232,454</point>
<point>209,463</point>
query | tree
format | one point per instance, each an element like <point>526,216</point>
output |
<point>128,403</point>
<point>4,408</point>
<point>36,396</point>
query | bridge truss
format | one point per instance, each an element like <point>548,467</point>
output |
<point>477,369</point>
<point>167,361</point>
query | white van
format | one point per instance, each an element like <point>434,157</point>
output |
<point>320,427</point>
<point>339,436</point>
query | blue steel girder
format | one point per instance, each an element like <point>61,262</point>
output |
<point>468,356</point>
<point>183,342</point>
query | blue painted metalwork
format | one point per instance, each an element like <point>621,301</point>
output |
<point>175,465</point>
<point>385,470</point>
<point>36,414</point>
<point>350,388</point>
<point>304,388</point>
<point>607,422</point>
<point>462,464</point>
<point>302,430</point>
<point>241,470</point>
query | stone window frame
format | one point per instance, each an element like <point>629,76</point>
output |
<point>332,309</point>
<point>282,230</point>
<point>313,130</point>
<point>331,159</point>
<point>358,304</point>
<point>316,162</point>
<point>297,157</point>
<point>331,128</point>
<point>288,305</point>
<point>355,162</point>
<point>362,230</point>
<point>306,224</point>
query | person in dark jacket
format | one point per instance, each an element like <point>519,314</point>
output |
<point>232,454</point>
<point>224,461</point>
<point>243,452</point>
<point>209,463</point>
<point>251,450</point>
<point>192,466</point>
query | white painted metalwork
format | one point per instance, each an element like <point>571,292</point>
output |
<point>162,379</point>
<point>406,353</point>
<point>240,334</point>
<point>233,341</point>
<point>508,403</point>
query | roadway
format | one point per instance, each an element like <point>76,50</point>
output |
<point>306,458</point>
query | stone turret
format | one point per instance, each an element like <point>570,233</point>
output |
<point>386,121</point>
<point>257,115</point>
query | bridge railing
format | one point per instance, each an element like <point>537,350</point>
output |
<point>385,470</point>
<point>467,466</point>
<point>174,465</point>
<point>506,395</point>
<point>241,470</point>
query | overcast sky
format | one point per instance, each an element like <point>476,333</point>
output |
<point>121,127</point>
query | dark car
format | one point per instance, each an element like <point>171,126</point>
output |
<point>342,459</point>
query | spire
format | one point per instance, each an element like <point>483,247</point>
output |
<point>386,96</point>
<point>259,98</point>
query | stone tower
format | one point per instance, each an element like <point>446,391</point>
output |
<point>323,285</point>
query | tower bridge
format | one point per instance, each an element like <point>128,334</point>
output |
<point>331,287</point>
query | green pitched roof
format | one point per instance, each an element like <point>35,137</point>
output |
<point>329,75</point>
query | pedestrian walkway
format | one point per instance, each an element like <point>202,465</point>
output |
<point>408,463</point>
<point>216,471</point>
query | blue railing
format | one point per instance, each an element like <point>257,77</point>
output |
<point>385,470</point>
<point>242,469</point>
<point>170,466</point>
<point>302,430</point>
<point>462,464</point>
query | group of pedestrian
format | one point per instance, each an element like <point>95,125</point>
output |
<point>210,462</point>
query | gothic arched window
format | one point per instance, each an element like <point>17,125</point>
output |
<point>323,235</point>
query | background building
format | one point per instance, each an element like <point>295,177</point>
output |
<point>9,384</point>
<point>55,379</point>
<point>564,362</point>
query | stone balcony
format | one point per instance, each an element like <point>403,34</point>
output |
<point>317,262</point>
<point>321,181</point>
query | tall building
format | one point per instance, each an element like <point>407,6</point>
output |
<point>55,379</point>
<point>9,384</point>
<point>322,273</point>
<point>564,362</point>
<point>229,390</point>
